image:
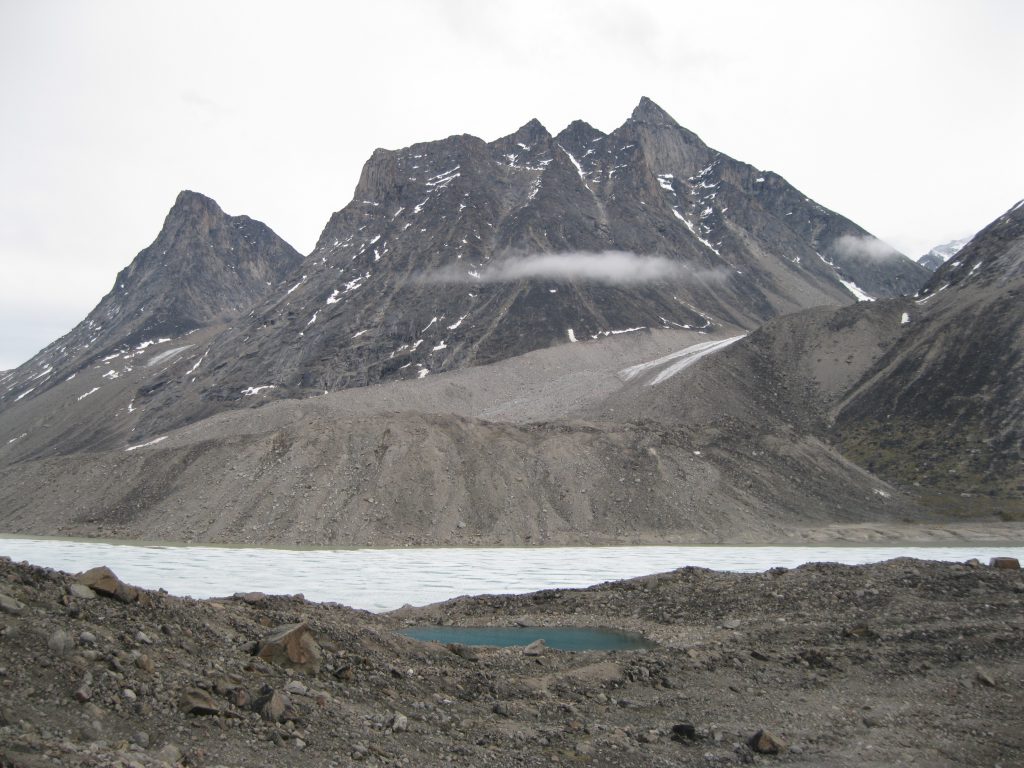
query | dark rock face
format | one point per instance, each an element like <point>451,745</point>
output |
<point>944,408</point>
<point>436,263</point>
<point>203,268</point>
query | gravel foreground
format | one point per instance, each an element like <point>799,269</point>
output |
<point>901,663</point>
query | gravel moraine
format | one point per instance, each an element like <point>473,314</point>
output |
<point>900,663</point>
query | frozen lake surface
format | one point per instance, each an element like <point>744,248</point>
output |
<point>385,579</point>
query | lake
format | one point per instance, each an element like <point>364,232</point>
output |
<point>384,579</point>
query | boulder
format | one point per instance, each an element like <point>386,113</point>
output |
<point>584,748</point>
<point>196,701</point>
<point>81,591</point>
<point>463,651</point>
<point>251,598</point>
<point>1005,563</point>
<point>61,643</point>
<point>274,707</point>
<point>536,648</point>
<point>766,743</point>
<point>169,753</point>
<point>292,646</point>
<point>224,685</point>
<point>240,697</point>
<point>9,605</point>
<point>684,732</point>
<point>103,580</point>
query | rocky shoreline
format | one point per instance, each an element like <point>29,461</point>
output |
<point>937,533</point>
<point>900,663</point>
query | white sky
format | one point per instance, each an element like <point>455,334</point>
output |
<point>905,116</point>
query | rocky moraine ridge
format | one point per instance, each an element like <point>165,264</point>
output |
<point>902,663</point>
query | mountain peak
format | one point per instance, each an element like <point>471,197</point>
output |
<point>187,200</point>
<point>203,268</point>
<point>192,212</point>
<point>533,126</point>
<point>532,132</point>
<point>649,112</point>
<point>579,132</point>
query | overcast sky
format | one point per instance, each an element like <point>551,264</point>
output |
<point>904,116</point>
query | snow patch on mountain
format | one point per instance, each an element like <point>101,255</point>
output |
<point>679,360</point>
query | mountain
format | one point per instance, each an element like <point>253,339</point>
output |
<point>944,408</point>
<point>461,252</point>
<point>201,272</point>
<point>204,268</point>
<point>940,254</point>
<point>415,380</point>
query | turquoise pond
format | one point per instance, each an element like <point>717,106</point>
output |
<point>560,638</point>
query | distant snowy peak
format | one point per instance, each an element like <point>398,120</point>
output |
<point>940,254</point>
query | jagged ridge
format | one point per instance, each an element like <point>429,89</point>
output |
<point>402,282</point>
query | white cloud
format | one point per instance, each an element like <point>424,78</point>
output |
<point>608,267</point>
<point>863,246</point>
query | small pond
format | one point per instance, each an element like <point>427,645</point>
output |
<point>561,638</point>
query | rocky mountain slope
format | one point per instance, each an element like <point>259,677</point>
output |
<point>604,441</point>
<point>203,269</point>
<point>512,453</point>
<point>944,408</point>
<point>925,392</point>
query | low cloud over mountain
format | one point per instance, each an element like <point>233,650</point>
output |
<point>853,246</point>
<point>607,267</point>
